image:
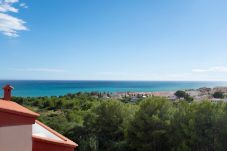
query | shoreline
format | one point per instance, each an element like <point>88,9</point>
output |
<point>165,93</point>
<point>60,88</point>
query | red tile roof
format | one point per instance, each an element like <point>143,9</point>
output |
<point>14,108</point>
<point>12,113</point>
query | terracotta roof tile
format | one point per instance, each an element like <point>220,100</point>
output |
<point>12,107</point>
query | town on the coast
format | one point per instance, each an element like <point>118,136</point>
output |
<point>216,94</point>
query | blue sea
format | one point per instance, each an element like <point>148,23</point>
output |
<point>57,88</point>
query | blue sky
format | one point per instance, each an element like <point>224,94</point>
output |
<point>113,39</point>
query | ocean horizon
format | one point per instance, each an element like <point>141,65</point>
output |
<point>36,88</point>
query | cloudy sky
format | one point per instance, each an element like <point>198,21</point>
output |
<point>114,40</point>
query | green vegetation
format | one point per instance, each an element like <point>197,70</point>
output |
<point>219,95</point>
<point>182,94</point>
<point>151,124</point>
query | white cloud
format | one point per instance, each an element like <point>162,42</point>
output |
<point>45,70</point>
<point>212,69</point>
<point>119,74</point>
<point>5,7</point>
<point>107,73</point>
<point>211,74</point>
<point>10,25</point>
<point>23,5</point>
<point>11,1</point>
<point>39,70</point>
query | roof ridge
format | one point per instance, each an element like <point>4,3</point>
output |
<point>65,140</point>
<point>13,107</point>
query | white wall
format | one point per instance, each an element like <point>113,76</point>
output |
<point>16,138</point>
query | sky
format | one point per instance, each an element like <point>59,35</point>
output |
<point>169,40</point>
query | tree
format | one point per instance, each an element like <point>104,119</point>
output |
<point>152,124</point>
<point>188,98</point>
<point>180,94</point>
<point>181,127</point>
<point>222,129</point>
<point>183,94</point>
<point>205,129</point>
<point>219,95</point>
<point>109,122</point>
<point>87,141</point>
<point>150,128</point>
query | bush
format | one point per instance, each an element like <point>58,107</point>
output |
<point>218,95</point>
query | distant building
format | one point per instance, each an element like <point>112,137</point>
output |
<point>20,131</point>
<point>204,91</point>
<point>220,89</point>
<point>215,100</point>
<point>134,99</point>
<point>193,93</point>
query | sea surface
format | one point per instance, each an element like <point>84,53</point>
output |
<point>57,88</point>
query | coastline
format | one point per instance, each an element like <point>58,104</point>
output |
<point>35,88</point>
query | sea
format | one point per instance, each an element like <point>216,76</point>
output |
<point>35,88</point>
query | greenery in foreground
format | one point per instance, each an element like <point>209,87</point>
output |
<point>152,124</point>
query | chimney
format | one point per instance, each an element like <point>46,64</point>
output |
<point>7,92</point>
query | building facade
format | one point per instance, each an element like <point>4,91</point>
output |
<point>20,131</point>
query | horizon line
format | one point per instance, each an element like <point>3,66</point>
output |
<point>113,80</point>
